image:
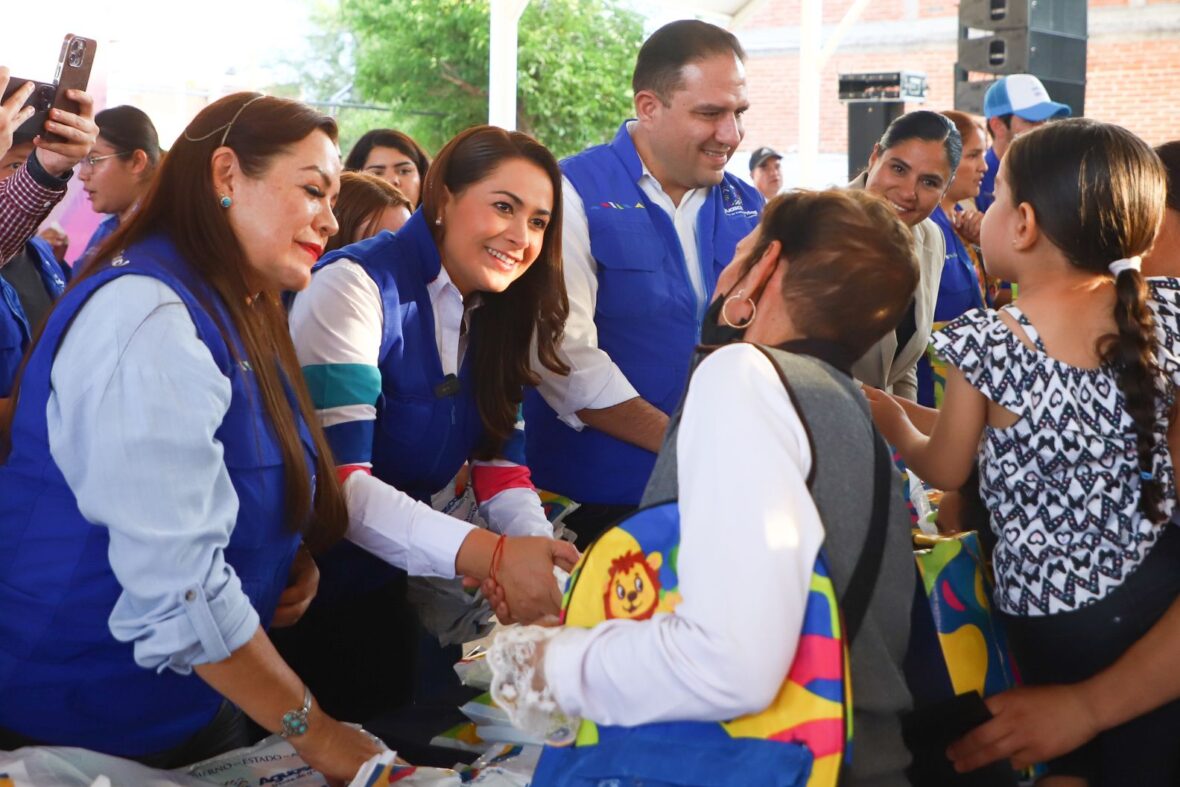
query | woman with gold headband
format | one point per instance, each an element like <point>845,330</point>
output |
<point>163,474</point>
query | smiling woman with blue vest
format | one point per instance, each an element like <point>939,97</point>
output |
<point>162,464</point>
<point>416,348</point>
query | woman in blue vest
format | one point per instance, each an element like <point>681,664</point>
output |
<point>162,464</point>
<point>117,173</point>
<point>415,347</point>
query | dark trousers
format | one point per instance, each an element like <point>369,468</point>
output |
<point>1073,646</point>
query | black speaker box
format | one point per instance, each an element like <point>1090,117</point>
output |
<point>1045,38</point>
<point>1052,16</point>
<point>1025,51</point>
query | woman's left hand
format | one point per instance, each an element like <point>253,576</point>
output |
<point>302,584</point>
<point>967,223</point>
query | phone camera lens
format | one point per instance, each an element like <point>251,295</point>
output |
<point>43,98</point>
<point>77,49</point>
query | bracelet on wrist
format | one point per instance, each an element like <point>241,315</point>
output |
<point>497,556</point>
<point>294,722</point>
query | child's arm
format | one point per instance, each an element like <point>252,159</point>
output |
<point>944,458</point>
<point>923,418</point>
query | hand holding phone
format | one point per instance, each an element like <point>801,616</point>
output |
<point>18,108</point>
<point>77,133</point>
<point>73,74</point>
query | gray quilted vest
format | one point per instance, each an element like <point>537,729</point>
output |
<point>836,418</point>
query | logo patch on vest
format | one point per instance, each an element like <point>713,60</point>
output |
<point>731,202</point>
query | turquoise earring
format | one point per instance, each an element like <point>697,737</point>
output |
<point>225,202</point>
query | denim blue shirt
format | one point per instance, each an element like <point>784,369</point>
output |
<point>136,400</point>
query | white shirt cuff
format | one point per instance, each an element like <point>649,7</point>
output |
<point>401,530</point>
<point>517,512</point>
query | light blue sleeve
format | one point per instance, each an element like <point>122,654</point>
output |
<point>136,399</point>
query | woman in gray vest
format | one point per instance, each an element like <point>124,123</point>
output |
<point>773,458</point>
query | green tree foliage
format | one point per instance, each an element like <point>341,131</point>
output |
<point>428,61</point>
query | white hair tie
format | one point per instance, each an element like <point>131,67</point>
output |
<point>1128,264</point>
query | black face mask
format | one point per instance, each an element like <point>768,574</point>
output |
<point>713,334</point>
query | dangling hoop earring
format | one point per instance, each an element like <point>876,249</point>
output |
<point>739,297</point>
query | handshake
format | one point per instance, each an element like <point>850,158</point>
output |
<point>520,583</point>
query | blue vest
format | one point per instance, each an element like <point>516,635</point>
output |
<point>15,331</point>
<point>987,187</point>
<point>105,228</point>
<point>647,314</point>
<point>428,423</point>
<point>64,678</point>
<point>958,293</point>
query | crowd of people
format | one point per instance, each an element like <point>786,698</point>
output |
<point>236,432</point>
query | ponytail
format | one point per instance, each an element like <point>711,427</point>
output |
<point>1132,354</point>
<point>1098,193</point>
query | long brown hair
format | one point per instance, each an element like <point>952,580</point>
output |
<point>182,203</point>
<point>363,198</point>
<point>535,305</point>
<point>1098,194</point>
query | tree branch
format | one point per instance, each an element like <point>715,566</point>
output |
<point>449,74</point>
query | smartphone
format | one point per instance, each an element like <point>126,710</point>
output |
<point>73,71</point>
<point>41,100</point>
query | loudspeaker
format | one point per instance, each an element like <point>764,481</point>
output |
<point>1058,16</point>
<point>1025,51</point>
<point>867,121</point>
<point>1045,38</point>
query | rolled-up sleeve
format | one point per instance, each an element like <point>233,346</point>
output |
<point>137,399</point>
<point>594,381</point>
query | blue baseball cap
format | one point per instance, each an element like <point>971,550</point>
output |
<point>1022,95</point>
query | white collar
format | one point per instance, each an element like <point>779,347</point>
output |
<point>442,283</point>
<point>688,195</point>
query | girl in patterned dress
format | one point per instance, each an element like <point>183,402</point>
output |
<point>1068,404</point>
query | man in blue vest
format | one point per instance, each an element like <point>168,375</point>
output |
<point>650,220</point>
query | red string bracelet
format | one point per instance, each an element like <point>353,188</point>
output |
<point>497,554</point>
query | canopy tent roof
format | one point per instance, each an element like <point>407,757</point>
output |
<point>729,13</point>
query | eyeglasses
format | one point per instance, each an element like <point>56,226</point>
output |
<point>93,160</point>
